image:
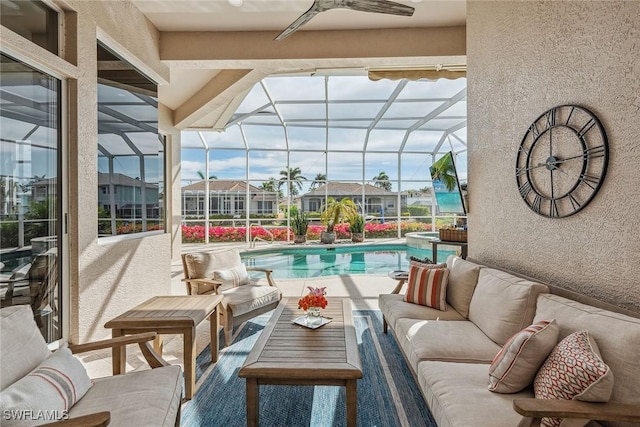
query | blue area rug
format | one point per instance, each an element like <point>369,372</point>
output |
<point>387,394</point>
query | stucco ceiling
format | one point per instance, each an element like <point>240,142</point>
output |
<point>230,48</point>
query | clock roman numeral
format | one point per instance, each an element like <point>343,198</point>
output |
<point>575,204</point>
<point>590,180</point>
<point>525,189</point>
<point>534,131</point>
<point>587,127</point>
<point>551,118</point>
<point>537,203</point>
<point>593,152</point>
<point>521,171</point>
<point>553,208</point>
<point>569,116</point>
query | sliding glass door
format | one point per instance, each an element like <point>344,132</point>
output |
<point>30,193</point>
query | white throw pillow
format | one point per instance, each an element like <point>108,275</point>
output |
<point>519,360</point>
<point>235,276</point>
<point>46,393</point>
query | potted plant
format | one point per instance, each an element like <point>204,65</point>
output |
<point>356,227</point>
<point>299,224</point>
<point>333,213</point>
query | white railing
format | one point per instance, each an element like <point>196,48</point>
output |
<point>253,241</point>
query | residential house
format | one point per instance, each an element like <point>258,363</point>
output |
<point>227,198</point>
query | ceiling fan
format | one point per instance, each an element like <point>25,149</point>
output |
<point>375,6</point>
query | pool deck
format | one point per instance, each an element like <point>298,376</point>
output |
<point>363,290</point>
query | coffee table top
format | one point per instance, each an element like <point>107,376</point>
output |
<point>287,350</point>
<point>169,311</point>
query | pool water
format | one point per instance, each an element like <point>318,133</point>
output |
<point>303,262</point>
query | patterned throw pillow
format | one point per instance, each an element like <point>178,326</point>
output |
<point>574,370</point>
<point>427,286</point>
<point>517,363</point>
<point>425,260</point>
<point>426,265</point>
<point>54,386</point>
<point>235,276</point>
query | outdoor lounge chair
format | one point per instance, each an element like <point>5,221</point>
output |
<point>222,272</point>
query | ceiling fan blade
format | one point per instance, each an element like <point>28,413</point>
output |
<point>303,19</point>
<point>379,6</point>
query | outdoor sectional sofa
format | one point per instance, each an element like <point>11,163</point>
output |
<point>450,352</point>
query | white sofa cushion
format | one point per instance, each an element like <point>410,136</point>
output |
<point>457,396</point>
<point>393,308</point>
<point>23,347</point>
<point>617,335</point>
<point>463,278</point>
<point>52,388</point>
<point>143,398</point>
<point>519,360</point>
<point>503,304</point>
<point>443,340</point>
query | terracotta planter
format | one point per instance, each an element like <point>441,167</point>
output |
<point>357,237</point>
<point>327,238</point>
<point>299,238</point>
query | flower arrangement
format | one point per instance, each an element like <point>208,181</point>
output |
<point>315,298</point>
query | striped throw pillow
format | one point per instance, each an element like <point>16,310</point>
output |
<point>232,277</point>
<point>517,363</point>
<point>52,388</point>
<point>428,287</point>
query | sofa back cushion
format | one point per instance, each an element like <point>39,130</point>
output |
<point>503,304</point>
<point>463,278</point>
<point>22,346</point>
<point>617,336</point>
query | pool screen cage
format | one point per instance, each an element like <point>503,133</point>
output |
<point>301,140</point>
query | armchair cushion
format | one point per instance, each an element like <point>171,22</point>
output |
<point>142,398</point>
<point>243,299</point>
<point>204,264</point>
<point>54,386</point>
<point>22,344</point>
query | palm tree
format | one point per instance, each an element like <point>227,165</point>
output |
<point>337,210</point>
<point>201,175</point>
<point>444,171</point>
<point>318,180</point>
<point>382,181</point>
<point>294,178</point>
<point>272,185</point>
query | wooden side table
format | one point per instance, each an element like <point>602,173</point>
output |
<point>436,242</point>
<point>169,315</point>
<point>401,276</point>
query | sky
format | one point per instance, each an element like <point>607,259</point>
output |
<point>353,103</point>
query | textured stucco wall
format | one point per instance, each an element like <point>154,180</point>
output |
<point>107,279</point>
<point>523,58</point>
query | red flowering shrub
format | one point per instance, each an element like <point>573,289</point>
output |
<point>195,233</point>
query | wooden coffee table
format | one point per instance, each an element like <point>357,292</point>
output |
<point>289,354</point>
<point>169,315</point>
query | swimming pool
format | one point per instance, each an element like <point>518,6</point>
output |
<point>303,262</point>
